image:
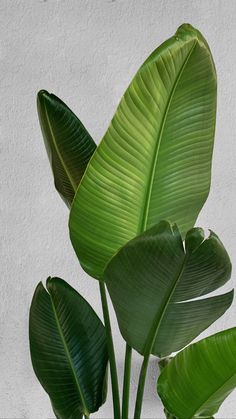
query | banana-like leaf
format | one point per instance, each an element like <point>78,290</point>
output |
<point>196,382</point>
<point>68,349</point>
<point>68,143</point>
<point>154,161</point>
<point>153,277</point>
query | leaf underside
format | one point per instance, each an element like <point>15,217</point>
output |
<point>68,349</point>
<point>154,283</point>
<point>154,161</point>
<point>196,382</point>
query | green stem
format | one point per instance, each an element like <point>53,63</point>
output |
<point>126,382</point>
<point>141,384</point>
<point>111,352</point>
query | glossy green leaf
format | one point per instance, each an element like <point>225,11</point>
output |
<point>68,349</point>
<point>196,382</point>
<point>154,161</point>
<point>153,279</point>
<point>68,143</point>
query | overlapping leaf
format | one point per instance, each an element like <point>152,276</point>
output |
<point>196,382</point>
<point>68,143</point>
<point>68,349</point>
<point>154,161</point>
<point>153,279</point>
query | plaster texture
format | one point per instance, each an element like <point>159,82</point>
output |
<point>86,52</point>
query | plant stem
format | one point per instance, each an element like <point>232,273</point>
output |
<point>126,382</point>
<point>111,352</point>
<point>141,384</point>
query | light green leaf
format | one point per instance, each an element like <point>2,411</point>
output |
<point>68,143</point>
<point>68,349</point>
<point>154,161</point>
<point>151,280</point>
<point>196,382</point>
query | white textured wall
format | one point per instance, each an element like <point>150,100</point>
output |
<point>86,52</point>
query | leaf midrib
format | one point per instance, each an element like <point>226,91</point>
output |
<point>158,319</point>
<point>214,392</point>
<point>86,410</point>
<point>73,184</point>
<point>147,200</point>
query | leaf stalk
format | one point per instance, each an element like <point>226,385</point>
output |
<point>141,384</point>
<point>111,352</point>
<point>126,382</point>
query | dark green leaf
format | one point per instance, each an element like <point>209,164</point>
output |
<point>196,382</point>
<point>154,161</point>
<point>151,278</point>
<point>68,349</point>
<point>68,143</point>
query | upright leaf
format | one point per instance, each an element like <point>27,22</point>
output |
<point>151,280</point>
<point>68,143</point>
<point>154,161</point>
<point>68,349</point>
<point>196,382</point>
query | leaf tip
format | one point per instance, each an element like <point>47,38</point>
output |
<point>42,96</point>
<point>186,30</point>
<point>46,100</point>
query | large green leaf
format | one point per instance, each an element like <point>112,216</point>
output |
<point>68,143</point>
<point>196,382</point>
<point>153,277</point>
<point>154,161</point>
<point>68,349</point>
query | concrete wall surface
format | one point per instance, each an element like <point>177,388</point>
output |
<point>86,52</point>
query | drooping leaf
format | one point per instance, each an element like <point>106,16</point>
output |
<point>68,143</point>
<point>196,382</point>
<point>68,349</point>
<point>154,161</point>
<point>151,280</point>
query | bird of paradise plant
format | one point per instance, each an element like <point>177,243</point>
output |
<point>133,202</point>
